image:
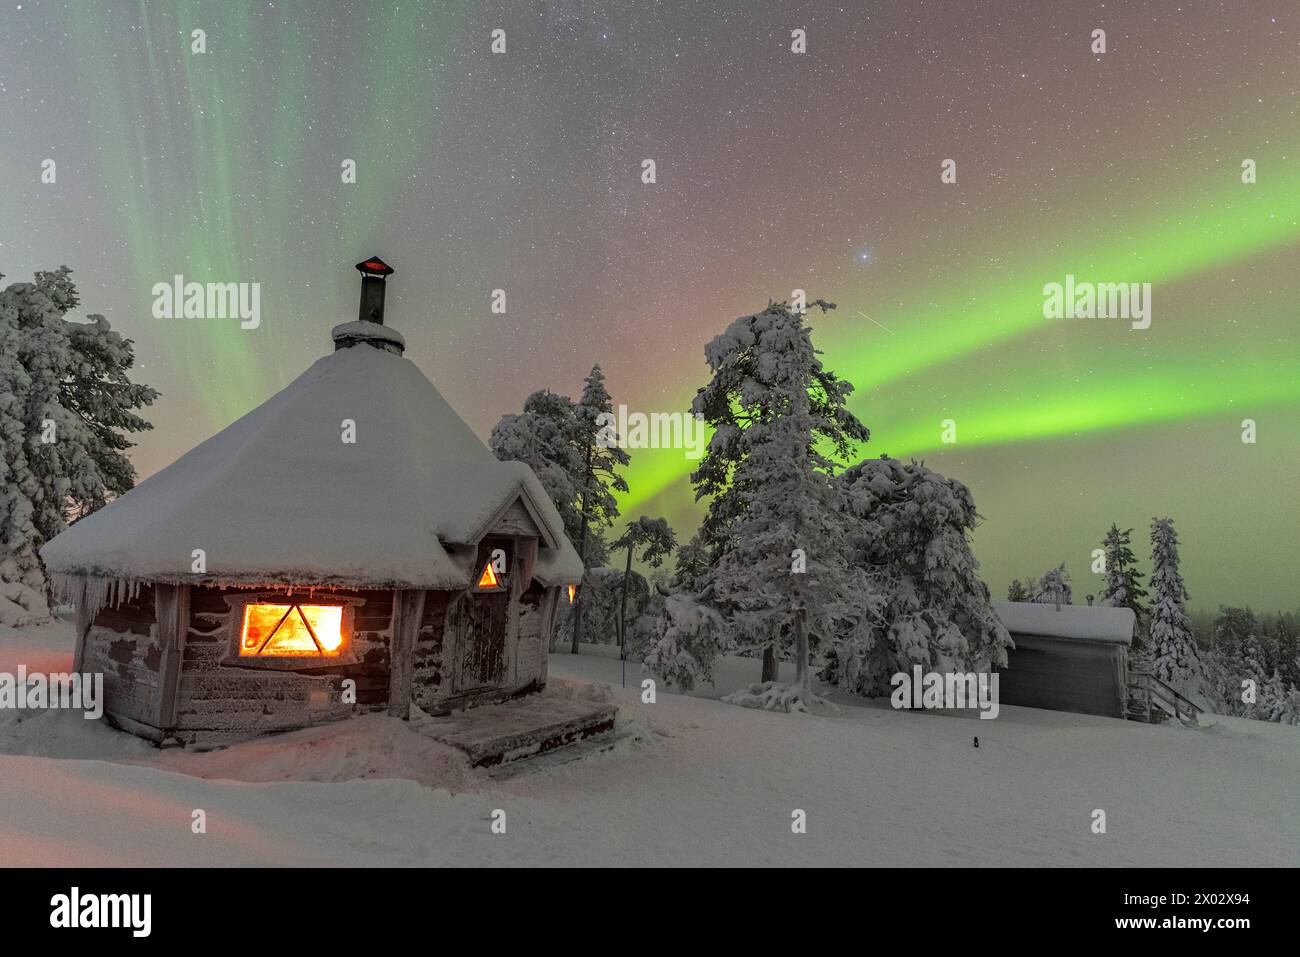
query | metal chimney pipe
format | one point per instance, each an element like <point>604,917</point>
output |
<point>374,271</point>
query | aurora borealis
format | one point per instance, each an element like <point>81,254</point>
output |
<point>776,171</point>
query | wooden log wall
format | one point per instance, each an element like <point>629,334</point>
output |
<point>218,701</point>
<point>429,684</point>
<point>122,643</point>
<point>210,700</point>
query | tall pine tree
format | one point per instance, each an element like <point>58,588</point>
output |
<point>574,452</point>
<point>66,408</point>
<point>1172,643</point>
<point>749,388</point>
<point>597,440</point>
<point>782,579</point>
<point>1123,581</point>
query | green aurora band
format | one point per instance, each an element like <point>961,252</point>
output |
<point>940,343</point>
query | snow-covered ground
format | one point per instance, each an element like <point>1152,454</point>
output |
<point>693,782</point>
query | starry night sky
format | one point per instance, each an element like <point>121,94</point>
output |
<point>775,171</point>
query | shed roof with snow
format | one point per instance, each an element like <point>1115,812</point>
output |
<point>279,497</point>
<point>1080,622</point>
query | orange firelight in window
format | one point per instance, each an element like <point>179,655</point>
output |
<point>489,577</point>
<point>291,629</point>
<point>573,590</point>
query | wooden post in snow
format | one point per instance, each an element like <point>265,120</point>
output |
<point>408,609</point>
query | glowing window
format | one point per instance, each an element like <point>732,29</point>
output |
<point>489,580</point>
<point>291,630</point>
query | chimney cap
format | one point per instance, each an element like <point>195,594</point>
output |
<point>374,266</point>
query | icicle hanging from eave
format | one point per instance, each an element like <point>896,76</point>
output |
<point>93,593</point>
<point>65,587</point>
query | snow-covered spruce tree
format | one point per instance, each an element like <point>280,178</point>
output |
<point>66,404</point>
<point>783,582</point>
<point>99,391</point>
<point>1272,698</point>
<point>911,536</point>
<point>598,443</point>
<point>1235,662</point>
<point>1231,661</point>
<point>1233,629</point>
<point>1289,713</point>
<point>22,584</point>
<point>1217,682</point>
<point>575,458</point>
<point>1289,649</point>
<point>1250,669</point>
<point>748,389</point>
<point>1123,581</point>
<point>684,636</point>
<point>19,540</point>
<point>655,539</point>
<point>543,438</point>
<point>786,582</point>
<point>676,626</point>
<point>1286,631</point>
<point>1176,661</point>
<point>1021,590</point>
<point>1054,587</point>
<point>690,562</point>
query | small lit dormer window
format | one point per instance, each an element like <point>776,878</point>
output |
<point>490,579</point>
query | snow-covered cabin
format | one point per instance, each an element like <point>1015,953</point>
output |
<point>349,545</point>
<point>1067,658</point>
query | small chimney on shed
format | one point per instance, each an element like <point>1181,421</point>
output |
<point>374,271</point>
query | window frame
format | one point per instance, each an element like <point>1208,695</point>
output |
<point>235,627</point>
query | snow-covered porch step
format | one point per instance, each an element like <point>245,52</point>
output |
<point>493,734</point>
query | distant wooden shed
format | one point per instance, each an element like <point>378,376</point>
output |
<point>1071,658</point>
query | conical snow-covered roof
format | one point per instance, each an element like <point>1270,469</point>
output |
<point>279,497</point>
